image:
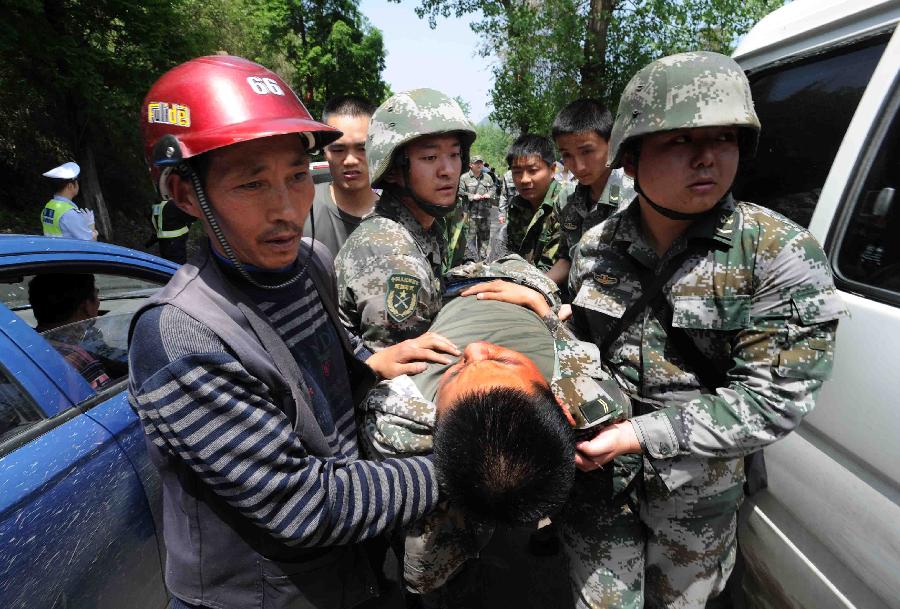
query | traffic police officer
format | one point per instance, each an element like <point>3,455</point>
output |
<point>717,317</point>
<point>60,216</point>
<point>389,270</point>
<point>171,226</point>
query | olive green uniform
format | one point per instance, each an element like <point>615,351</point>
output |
<point>535,234</point>
<point>581,213</point>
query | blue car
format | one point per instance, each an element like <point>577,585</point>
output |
<point>79,498</point>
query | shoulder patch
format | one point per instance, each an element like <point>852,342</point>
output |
<point>402,296</point>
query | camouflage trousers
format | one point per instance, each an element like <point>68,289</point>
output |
<point>478,231</point>
<point>649,551</point>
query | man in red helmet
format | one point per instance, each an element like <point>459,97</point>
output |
<point>240,370</point>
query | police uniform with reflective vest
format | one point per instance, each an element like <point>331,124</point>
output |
<point>62,218</point>
<point>172,226</point>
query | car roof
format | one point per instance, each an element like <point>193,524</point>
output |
<point>15,249</point>
<point>803,25</point>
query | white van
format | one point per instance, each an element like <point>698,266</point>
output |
<point>825,76</point>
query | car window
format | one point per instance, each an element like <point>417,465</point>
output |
<point>17,411</point>
<point>868,254</point>
<point>91,335</point>
<point>97,348</point>
<point>804,108</point>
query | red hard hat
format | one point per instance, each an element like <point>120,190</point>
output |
<point>219,100</point>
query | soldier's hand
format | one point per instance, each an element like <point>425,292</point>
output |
<point>612,441</point>
<point>412,356</point>
<point>501,219</point>
<point>512,293</point>
<point>565,312</point>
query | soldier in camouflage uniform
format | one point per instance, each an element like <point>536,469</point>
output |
<point>389,270</point>
<point>400,414</point>
<point>729,357</point>
<point>507,190</point>
<point>477,189</point>
<point>533,213</point>
<point>581,133</point>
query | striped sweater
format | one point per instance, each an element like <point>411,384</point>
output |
<point>197,402</point>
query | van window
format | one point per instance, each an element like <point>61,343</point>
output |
<point>868,253</point>
<point>804,108</point>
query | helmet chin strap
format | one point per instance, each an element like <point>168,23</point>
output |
<point>665,211</point>
<point>226,247</point>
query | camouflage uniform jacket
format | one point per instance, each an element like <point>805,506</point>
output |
<point>507,192</point>
<point>535,235</point>
<point>399,420</point>
<point>470,185</point>
<point>389,275</point>
<point>757,299</point>
<point>581,214</point>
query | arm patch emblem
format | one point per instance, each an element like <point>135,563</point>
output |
<point>402,296</point>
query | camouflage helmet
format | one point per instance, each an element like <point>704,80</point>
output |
<point>404,117</point>
<point>699,89</point>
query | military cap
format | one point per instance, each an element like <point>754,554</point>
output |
<point>684,91</point>
<point>477,159</point>
<point>66,171</point>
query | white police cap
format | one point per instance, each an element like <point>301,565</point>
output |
<point>66,171</point>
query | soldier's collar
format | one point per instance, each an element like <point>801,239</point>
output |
<point>550,195</point>
<point>720,226</point>
<point>391,207</point>
<point>584,191</point>
<point>628,229</point>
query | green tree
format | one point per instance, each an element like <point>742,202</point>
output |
<point>464,105</point>
<point>492,143</point>
<point>73,74</point>
<point>72,77</point>
<point>552,51</point>
<point>324,48</point>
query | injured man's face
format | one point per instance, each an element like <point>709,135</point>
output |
<point>484,366</point>
<point>502,442</point>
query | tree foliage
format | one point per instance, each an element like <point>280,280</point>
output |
<point>73,74</point>
<point>550,52</point>
<point>492,143</point>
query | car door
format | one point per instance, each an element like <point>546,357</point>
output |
<point>79,498</point>
<point>825,534</point>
